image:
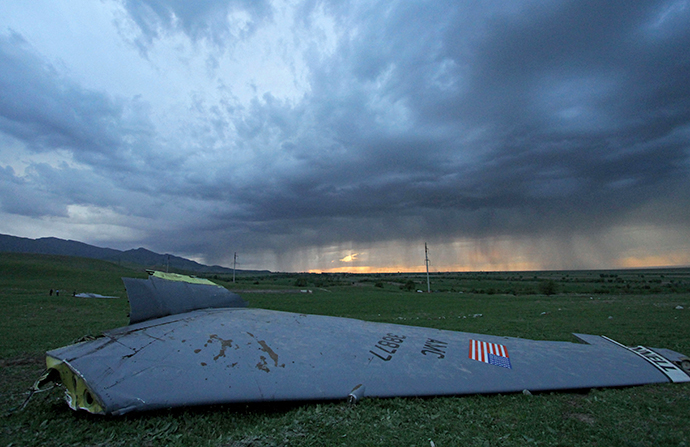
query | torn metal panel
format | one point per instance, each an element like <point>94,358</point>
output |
<point>160,295</point>
<point>224,355</point>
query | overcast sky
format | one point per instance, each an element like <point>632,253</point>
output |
<point>343,135</point>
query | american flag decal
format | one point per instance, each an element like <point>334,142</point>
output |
<point>490,353</point>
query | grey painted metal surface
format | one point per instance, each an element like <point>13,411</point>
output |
<point>93,295</point>
<point>157,297</point>
<point>246,355</point>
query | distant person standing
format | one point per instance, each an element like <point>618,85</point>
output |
<point>51,292</point>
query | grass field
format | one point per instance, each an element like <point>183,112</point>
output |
<point>633,307</point>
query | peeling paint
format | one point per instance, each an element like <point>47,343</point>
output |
<point>224,344</point>
<point>262,364</point>
<point>267,349</point>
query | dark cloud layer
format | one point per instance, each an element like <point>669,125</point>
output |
<point>426,120</point>
<point>560,105</point>
<point>47,112</point>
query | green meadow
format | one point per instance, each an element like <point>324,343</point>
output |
<point>649,307</point>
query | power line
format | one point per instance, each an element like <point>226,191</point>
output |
<point>234,265</point>
<point>426,256</point>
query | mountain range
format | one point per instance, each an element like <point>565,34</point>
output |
<point>138,256</point>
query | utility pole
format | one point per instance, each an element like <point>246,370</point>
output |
<point>234,264</point>
<point>426,256</point>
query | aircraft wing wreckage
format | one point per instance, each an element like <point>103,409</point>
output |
<point>193,343</point>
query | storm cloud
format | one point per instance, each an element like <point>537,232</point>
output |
<point>317,135</point>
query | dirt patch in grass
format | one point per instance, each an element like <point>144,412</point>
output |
<point>586,418</point>
<point>23,360</point>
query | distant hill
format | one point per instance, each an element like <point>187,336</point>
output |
<point>138,257</point>
<point>54,246</point>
